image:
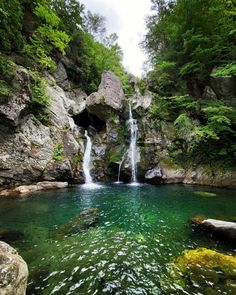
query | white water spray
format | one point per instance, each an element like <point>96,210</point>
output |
<point>87,160</point>
<point>133,147</point>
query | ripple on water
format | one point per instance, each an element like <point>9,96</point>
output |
<point>141,230</point>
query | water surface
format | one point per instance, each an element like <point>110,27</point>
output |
<point>140,230</point>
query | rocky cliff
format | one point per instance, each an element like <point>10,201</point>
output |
<point>32,151</point>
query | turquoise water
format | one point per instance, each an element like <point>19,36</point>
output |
<point>141,229</point>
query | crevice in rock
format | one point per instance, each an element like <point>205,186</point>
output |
<point>85,119</point>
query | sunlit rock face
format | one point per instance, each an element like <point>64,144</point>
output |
<point>13,271</point>
<point>110,96</point>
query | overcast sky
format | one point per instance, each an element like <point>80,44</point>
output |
<point>126,18</point>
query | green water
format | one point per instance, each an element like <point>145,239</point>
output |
<point>140,230</point>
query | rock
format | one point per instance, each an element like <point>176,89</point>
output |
<point>201,271</point>
<point>209,93</point>
<point>27,189</point>
<point>76,101</point>
<point>59,170</point>
<point>61,77</point>
<point>13,271</point>
<point>153,175</point>
<point>110,96</point>
<point>16,105</point>
<point>11,236</point>
<point>45,185</point>
<point>58,115</point>
<point>221,228</point>
<point>86,219</point>
<point>224,87</point>
<point>24,155</point>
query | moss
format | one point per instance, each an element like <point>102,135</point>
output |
<point>205,194</point>
<point>201,271</point>
<point>169,163</point>
<point>115,154</point>
<point>58,152</point>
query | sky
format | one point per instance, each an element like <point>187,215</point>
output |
<point>126,18</point>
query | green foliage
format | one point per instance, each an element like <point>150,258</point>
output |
<point>46,38</point>
<point>227,70</point>
<point>58,152</point>
<point>187,39</point>
<point>39,99</point>
<point>7,76</point>
<point>11,13</point>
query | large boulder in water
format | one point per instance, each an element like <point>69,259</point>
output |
<point>81,222</point>
<point>201,271</point>
<point>110,96</point>
<point>220,228</point>
<point>13,271</point>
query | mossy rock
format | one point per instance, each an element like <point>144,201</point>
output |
<point>205,194</point>
<point>83,221</point>
<point>201,271</point>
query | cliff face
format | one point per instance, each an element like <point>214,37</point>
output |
<point>31,151</point>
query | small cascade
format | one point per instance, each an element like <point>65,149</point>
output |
<point>133,147</point>
<point>87,160</point>
<point>120,165</point>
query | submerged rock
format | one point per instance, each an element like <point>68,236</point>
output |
<point>83,221</point>
<point>13,271</point>
<point>27,189</point>
<point>221,228</point>
<point>201,271</point>
<point>11,236</point>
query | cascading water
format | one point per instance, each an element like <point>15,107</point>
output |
<point>87,160</point>
<point>120,165</point>
<point>133,147</point>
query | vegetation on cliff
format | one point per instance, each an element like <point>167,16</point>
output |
<point>40,33</point>
<point>190,44</point>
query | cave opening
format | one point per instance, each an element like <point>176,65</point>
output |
<point>85,119</point>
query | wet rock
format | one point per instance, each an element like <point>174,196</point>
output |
<point>13,271</point>
<point>86,219</point>
<point>11,236</point>
<point>59,170</point>
<point>220,228</point>
<point>153,175</point>
<point>27,189</point>
<point>110,96</point>
<point>201,271</point>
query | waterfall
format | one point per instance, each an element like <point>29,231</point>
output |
<point>87,160</point>
<point>133,147</point>
<point>120,165</point>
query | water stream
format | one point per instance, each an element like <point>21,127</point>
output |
<point>133,147</point>
<point>87,160</point>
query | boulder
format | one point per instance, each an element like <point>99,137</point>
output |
<point>209,93</point>
<point>60,76</point>
<point>224,87</point>
<point>221,228</point>
<point>58,115</point>
<point>27,189</point>
<point>110,96</point>
<point>201,271</point>
<point>86,219</point>
<point>153,175</point>
<point>13,271</point>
